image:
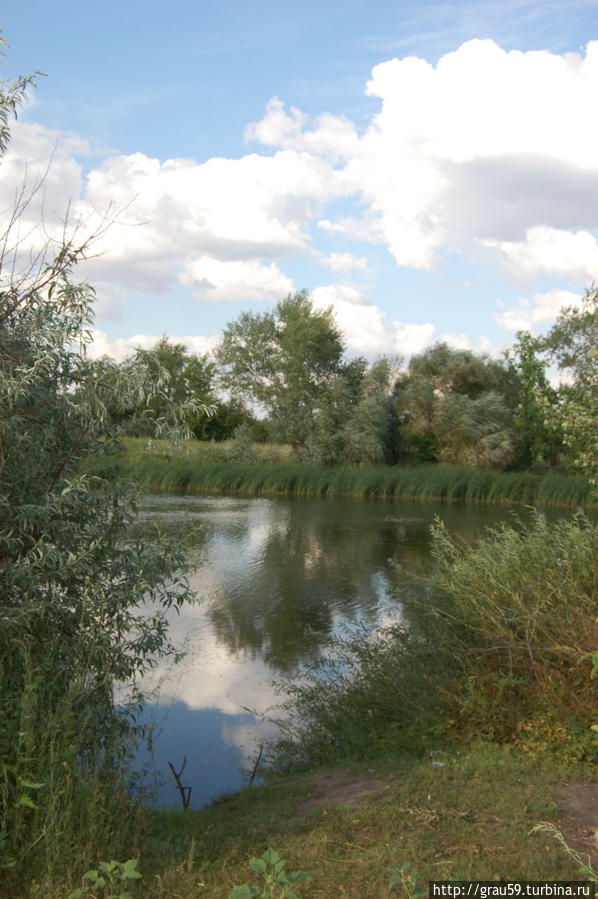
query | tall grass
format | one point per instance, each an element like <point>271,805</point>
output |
<point>63,802</point>
<point>496,644</point>
<point>206,469</point>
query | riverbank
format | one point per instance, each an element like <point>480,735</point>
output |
<point>211,468</point>
<point>455,815</point>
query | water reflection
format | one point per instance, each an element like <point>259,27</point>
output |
<point>277,578</point>
<point>217,748</point>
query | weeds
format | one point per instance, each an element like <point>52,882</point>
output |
<point>406,877</point>
<point>276,882</point>
<point>489,647</point>
<point>584,868</point>
<point>108,880</point>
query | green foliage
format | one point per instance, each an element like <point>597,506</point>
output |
<point>538,432</point>
<point>452,408</point>
<point>511,617</point>
<point>207,469</point>
<point>187,393</point>
<point>573,343</point>
<point>489,646</point>
<point>82,603</point>
<point>277,884</point>
<point>406,877</point>
<point>355,420</point>
<point>240,448</point>
<point>284,361</point>
<point>108,880</point>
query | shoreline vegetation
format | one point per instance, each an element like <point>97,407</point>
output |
<point>206,467</point>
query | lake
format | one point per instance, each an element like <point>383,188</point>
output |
<point>277,578</point>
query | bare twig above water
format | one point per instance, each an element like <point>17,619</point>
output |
<point>184,791</point>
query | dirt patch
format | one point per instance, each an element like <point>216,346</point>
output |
<point>578,817</point>
<point>338,787</point>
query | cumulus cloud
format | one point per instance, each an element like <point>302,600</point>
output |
<point>550,251</point>
<point>542,310</point>
<point>227,209</point>
<point>170,221</point>
<point>122,347</point>
<point>333,136</point>
<point>487,154</point>
<point>478,152</point>
<point>346,262</point>
<point>109,302</point>
<point>212,279</point>
<point>40,185</point>
<point>366,327</point>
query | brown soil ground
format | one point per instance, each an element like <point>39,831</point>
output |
<point>578,817</point>
<point>337,787</point>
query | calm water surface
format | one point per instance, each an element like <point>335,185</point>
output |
<point>277,578</point>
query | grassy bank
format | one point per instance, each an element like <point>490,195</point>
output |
<point>468,816</point>
<point>464,814</point>
<point>205,468</point>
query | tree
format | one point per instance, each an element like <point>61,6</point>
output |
<point>573,344</point>
<point>531,397</point>
<point>283,361</point>
<point>82,600</point>
<point>452,408</point>
<point>356,416</point>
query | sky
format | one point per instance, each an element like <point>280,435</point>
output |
<point>429,170</point>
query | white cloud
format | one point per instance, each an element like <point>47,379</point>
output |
<point>212,279</point>
<point>469,156</point>
<point>333,136</point>
<point>109,301</point>
<point>169,218</point>
<point>543,309</point>
<point>40,184</point>
<point>551,251</point>
<point>366,327</point>
<point>346,262</point>
<point>122,347</point>
<point>412,339</point>
<point>487,154</point>
<point>227,209</point>
<point>362,324</point>
<point>482,344</point>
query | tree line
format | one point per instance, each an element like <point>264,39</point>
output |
<point>283,376</point>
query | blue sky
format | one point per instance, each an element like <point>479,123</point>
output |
<point>429,170</point>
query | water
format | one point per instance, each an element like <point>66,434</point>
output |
<point>277,578</point>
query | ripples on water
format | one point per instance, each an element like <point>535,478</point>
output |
<point>277,578</point>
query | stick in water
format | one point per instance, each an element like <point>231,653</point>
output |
<point>184,791</point>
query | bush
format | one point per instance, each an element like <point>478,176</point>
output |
<point>487,645</point>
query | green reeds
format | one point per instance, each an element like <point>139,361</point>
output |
<point>196,472</point>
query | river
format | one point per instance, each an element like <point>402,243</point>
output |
<point>276,578</point>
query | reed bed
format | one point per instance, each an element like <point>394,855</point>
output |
<point>192,473</point>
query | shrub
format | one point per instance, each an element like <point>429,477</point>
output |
<point>488,644</point>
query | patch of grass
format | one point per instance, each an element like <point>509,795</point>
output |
<point>469,819</point>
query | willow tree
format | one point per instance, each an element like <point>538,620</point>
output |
<point>82,601</point>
